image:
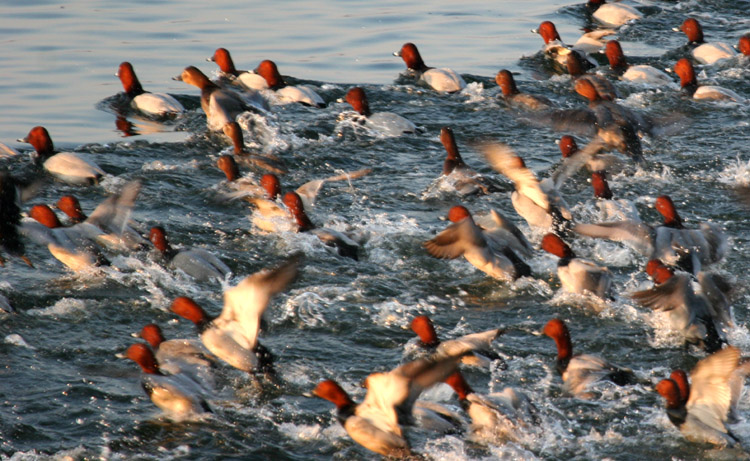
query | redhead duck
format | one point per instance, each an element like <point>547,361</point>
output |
<point>539,203</point>
<point>110,218</point>
<point>701,416</point>
<point>175,394</point>
<point>10,217</point>
<point>185,356</point>
<point>497,415</point>
<point>555,50</point>
<point>701,316</point>
<point>684,69</point>
<point>669,242</point>
<point>577,275</point>
<point>465,179</point>
<point>616,125</point>
<point>387,123</point>
<point>66,166</point>
<point>344,245</point>
<point>580,371</point>
<point>221,106</point>
<point>195,262</point>
<point>612,14</point>
<point>376,423</point>
<point>596,161</point>
<point>479,342</point>
<point>464,238</point>
<point>604,87</point>
<point>266,162</point>
<point>75,247</point>
<point>704,53</point>
<point>515,98</point>
<point>248,79</point>
<point>154,104</point>
<point>611,209</point>
<point>635,74</point>
<point>443,80</point>
<point>232,336</point>
<point>302,94</point>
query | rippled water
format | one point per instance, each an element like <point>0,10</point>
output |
<point>66,393</point>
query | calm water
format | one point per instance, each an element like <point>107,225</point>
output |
<point>65,393</point>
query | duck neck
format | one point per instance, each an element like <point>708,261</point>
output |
<point>564,350</point>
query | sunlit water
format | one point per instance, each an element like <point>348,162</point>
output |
<point>65,393</point>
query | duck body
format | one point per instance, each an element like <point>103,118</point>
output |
<point>614,14</point>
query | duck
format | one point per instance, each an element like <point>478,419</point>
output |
<point>232,336</point>
<point>386,123</point>
<point>539,203</point>
<point>736,385</point>
<point>491,255</point>
<point>684,69</point>
<point>556,51</point>
<point>175,394</point>
<point>514,98</point>
<point>577,275</point>
<point>617,126</point>
<point>302,94</point>
<point>597,161</point>
<point>635,74</point>
<point>701,317</point>
<point>10,218</point>
<point>68,167</point>
<point>264,162</point>
<point>504,415</point>
<point>110,218</point>
<point>443,80</point>
<point>604,87</point>
<point>185,356</point>
<point>465,179</point>
<point>246,78</point>
<point>611,209</point>
<point>377,423</point>
<point>153,104</point>
<point>580,371</point>
<point>480,343</point>
<point>704,53</point>
<point>195,262</point>
<point>612,14</point>
<point>702,416</point>
<point>221,106</point>
<point>74,247</point>
<point>344,245</point>
<point>670,242</point>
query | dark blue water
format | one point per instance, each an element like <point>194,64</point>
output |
<point>65,392</point>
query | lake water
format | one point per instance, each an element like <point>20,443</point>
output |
<point>65,393</point>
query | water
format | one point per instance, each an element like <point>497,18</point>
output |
<point>65,392</point>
